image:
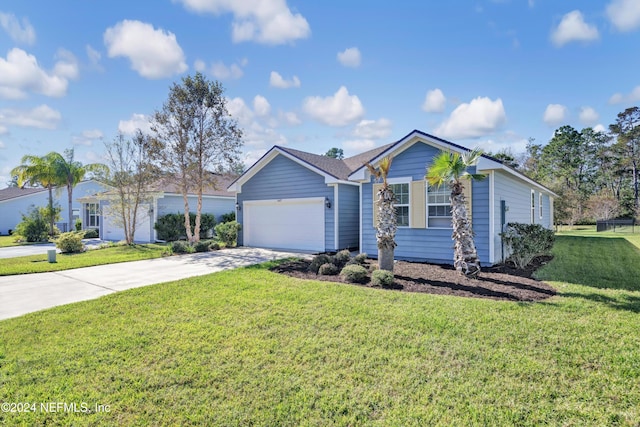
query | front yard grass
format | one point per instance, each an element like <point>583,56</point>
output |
<point>7,241</point>
<point>251,347</point>
<point>109,255</point>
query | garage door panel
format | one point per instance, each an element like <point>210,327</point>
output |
<point>285,224</point>
<point>116,232</point>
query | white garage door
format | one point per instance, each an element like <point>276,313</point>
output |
<point>115,232</point>
<point>285,224</point>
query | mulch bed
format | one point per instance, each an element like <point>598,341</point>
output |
<point>500,282</point>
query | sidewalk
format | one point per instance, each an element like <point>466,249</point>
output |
<point>22,294</point>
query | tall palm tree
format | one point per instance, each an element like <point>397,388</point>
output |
<point>449,168</point>
<point>71,173</point>
<point>386,225</point>
<point>34,171</point>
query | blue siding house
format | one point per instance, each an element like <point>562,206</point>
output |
<point>291,199</point>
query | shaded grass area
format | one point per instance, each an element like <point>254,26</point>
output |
<point>251,347</point>
<point>7,241</point>
<point>109,255</point>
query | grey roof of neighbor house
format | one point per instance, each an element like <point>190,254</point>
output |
<point>15,192</point>
<point>222,182</point>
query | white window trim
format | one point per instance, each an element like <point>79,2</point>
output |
<point>403,180</point>
<point>426,208</point>
<point>540,204</point>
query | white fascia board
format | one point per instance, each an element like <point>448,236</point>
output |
<point>485,164</point>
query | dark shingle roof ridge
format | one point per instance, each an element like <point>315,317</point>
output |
<point>9,193</point>
<point>334,167</point>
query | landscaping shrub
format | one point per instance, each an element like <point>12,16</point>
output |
<point>227,233</point>
<point>317,261</point>
<point>70,242</point>
<point>228,217</point>
<point>215,246</point>
<point>202,246</point>
<point>382,278</point>
<point>78,224</point>
<point>526,242</point>
<point>360,258</point>
<point>342,258</point>
<point>91,233</point>
<point>328,269</point>
<point>354,273</point>
<point>170,227</point>
<point>34,226</point>
<point>181,247</point>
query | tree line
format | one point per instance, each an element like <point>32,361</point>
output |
<point>596,174</point>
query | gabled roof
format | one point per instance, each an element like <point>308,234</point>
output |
<point>15,192</point>
<point>222,182</point>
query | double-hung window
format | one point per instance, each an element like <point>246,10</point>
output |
<point>92,219</point>
<point>439,206</point>
<point>401,193</point>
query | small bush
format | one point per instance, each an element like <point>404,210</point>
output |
<point>215,246</point>
<point>91,233</point>
<point>526,242</point>
<point>342,258</point>
<point>78,224</point>
<point>360,258</point>
<point>202,246</point>
<point>70,242</point>
<point>227,233</point>
<point>34,226</point>
<point>181,247</point>
<point>228,217</point>
<point>382,278</point>
<point>317,261</point>
<point>354,274</point>
<point>328,269</point>
<point>171,227</point>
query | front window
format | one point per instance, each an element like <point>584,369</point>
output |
<point>401,192</point>
<point>439,206</point>
<point>533,207</point>
<point>92,216</point>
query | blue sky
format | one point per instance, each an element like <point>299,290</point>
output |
<point>316,75</point>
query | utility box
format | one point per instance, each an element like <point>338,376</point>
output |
<point>51,254</point>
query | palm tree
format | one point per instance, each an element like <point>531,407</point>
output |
<point>71,173</point>
<point>451,169</point>
<point>42,171</point>
<point>386,225</point>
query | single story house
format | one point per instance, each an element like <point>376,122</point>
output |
<point>15,201</point>
<point>162,198</point>
<point>290,199</point>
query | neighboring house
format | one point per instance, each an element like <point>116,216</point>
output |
<point>291,199</point>
<point>14,202</point>
<point>164,198</point>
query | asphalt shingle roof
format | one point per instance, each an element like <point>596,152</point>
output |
<point>13,192</point>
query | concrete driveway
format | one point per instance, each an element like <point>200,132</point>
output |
<point>27,293</point>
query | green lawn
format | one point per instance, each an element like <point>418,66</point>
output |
<point>109,255</point>
<point>6,241</point>
<point>249,347</point>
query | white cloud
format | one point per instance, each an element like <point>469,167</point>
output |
<point>200,65</point>
<point>20,73</point>
<point>599,128</point>
<point>94,56</point>
<point>555,114</point>
<point>434,102</point>
<point>2,145</point>
<point>350,57</point>
<point>355,146</point>
<point>337,110</point>
<point>289,117</point>
<point>41,117</point>
<point>20,33</point>
<point>154,54</point>
<point>252,156</point>
<point>222,72</point>
<point>137,121</point>
<point>619,98</point>
<point>624,14</point>
<point>573,28</point>
<point>261,106</point>
<point>373,129</point>
<point>480,117</point>
<point>87,137</point>
<point>265,21</point>
<point>276,80</point>
<point>588,116</point>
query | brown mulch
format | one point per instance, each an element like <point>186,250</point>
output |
<point>500,282</point>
